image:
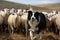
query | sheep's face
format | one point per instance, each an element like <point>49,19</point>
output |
<point>12,10</point>
<point>6,10</point>
<point>33,19</point>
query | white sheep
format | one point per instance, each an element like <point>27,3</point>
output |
<point>1,19</point>
<point>57,23</point>
<point>19,12</point>
<point>24,18</point>
<point>45,13</point>
<point>13,22</point>
<point>23,22</point>
<point>12,11</point>
<point>5,14</point>
<point>24,11</point>
<point>1,22</point>
<point>52,13</point>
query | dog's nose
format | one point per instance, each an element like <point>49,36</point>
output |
<point>33,19</point>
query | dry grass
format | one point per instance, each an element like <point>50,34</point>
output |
<point>51,6</point>
<point>16,36</point>
<point>6,4</point>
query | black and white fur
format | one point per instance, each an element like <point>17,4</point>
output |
<point>36,23</point>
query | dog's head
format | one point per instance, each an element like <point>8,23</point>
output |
<point>33,16</point>
<point>33,19</point>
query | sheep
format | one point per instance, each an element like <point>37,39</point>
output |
<point>45,13</point>
<point>5,15</point>
<point>24,11</point>
<point>52,13</point>
<point>1,22</point>
<point>52,17</point>
<point>5,12</point>
<point>12,11</point>
<point>23,20</point>
<point>23,23</point>
<point>55,12</point>
<point>20,12</point>
<point>57,23</point>
<point>1,19</point>
<point>13,22</point>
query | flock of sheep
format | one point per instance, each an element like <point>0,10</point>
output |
<point>12,18</point>
<point>54,19</point>
<point>17,19</point>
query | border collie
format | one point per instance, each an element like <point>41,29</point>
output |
<point>36,22</point>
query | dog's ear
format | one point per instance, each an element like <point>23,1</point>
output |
<point>29,11</point>
<point>37,13</point>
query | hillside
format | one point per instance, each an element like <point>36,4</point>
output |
<point>7,4</point>
<point>55,6</point>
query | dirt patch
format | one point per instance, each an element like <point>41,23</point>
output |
<point>16,36</point>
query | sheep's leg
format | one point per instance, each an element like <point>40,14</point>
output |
<point>31,35</point>
<point>59,32</point>
<point>26,30</point>
<point>1,28</point>
<point>12,30</point>
<point>9,28</point>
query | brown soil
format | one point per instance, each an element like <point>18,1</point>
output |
<point>17,36</point>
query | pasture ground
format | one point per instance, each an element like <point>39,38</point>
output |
<point>19,36</point>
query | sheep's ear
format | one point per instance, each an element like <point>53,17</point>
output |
<point>29,11</point>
